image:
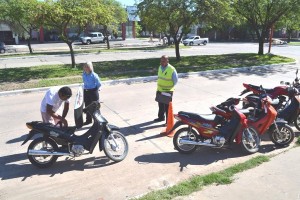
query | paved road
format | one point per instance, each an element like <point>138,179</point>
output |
<point>210,49</point>
<point>152,162</point>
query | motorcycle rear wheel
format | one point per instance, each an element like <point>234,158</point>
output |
<point>284,138</point>
<point>42,144</point>
<point>115,146</point>
<point>250,140</point>
<point>297,122</point>
<point>185,133</point>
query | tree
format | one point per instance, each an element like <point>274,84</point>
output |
<point>63,14</point>
<point>290,23</point>
<point>115,15</point>
<point>263,14</point>
<point>23,16</point>
<point>166,16</point>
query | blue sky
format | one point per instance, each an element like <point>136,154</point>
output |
<point>127,2</point>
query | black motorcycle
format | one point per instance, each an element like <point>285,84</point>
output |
<point>62,141</point>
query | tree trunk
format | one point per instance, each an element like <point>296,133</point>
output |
<point>177,50</point>
<point>106,37</point>
<point>72,54</point>
<point>261,42</point>
<point>29,41</point>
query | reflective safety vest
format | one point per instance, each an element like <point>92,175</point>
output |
<point>165,82</point>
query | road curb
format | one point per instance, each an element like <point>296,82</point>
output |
<point>151,78</point>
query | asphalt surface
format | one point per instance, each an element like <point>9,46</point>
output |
<point>152,162</point>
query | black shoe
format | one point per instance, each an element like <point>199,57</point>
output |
<point>86,123</point>
<point>159,119</point>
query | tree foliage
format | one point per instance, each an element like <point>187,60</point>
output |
<point>169,17</point>
<point>23,16</point>
<point>63,14</point>
<point>263,14</point>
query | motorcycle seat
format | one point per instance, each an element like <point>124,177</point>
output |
<point>268,90</point>
<point>208,117</point>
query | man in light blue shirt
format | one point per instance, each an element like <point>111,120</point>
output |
<point>91,85</point>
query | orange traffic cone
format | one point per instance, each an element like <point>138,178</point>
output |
<point>170,122</point>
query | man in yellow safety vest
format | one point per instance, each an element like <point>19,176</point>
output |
<point>167,79</point>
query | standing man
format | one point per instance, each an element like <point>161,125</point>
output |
<point>91,85</point>
<point>167,79</point>
<point>52,101</point>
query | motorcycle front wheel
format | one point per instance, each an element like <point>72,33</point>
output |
<point>185,134</point>
<point>284,137</point>
<point>250,140</point>
<point>115,146</point>
<point>44,144</point>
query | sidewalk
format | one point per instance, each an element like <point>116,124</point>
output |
<point>278,179</point>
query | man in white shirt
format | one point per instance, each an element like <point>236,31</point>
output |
<point>52,101</point>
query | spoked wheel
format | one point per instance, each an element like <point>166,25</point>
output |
<point>115,146</point>
<point>283,137</point>
<point>44,144</point>
<point>250,140</point>
<point>297,122</point>
<point>185,134</point>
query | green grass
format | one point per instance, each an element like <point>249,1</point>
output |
<point>49,75</point>
<point>298,141</point>
<point>196,183</point>
<point>294,43</point>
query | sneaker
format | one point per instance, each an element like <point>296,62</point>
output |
<point>159,119</point>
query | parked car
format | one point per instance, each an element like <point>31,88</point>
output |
<point>277,41</point>
<point>2,47</point>
<point>195,40</point>
<point>93,37</point>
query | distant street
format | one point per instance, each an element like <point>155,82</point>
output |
<point>209,49</point>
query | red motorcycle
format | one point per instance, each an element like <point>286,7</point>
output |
<point>213,131</point>
<point>278,93</point>
<point>262,117</point>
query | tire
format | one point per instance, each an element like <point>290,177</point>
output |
<point>2,51</point>
<point>115,146</point>
<point>88,42</point>
<point>181,134</point>
<point>191,43</point>
<point>205,42</point>
<point>284,138</point>
<point>42,144</point>
<point>297,122</point>
<point>250,140</point>
<point>184,44</point>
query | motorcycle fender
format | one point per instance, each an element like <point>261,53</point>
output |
<point>282,123</point>
<point>101,141</point>
<point>30,135</point>
<point>113,127</point>
<point>176,125</point>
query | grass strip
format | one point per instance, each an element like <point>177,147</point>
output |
<point>50,75</point>
<point>196,183</point>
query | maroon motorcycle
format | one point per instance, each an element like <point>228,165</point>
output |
<point>213,131</point>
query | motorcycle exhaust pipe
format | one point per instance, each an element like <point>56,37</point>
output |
<point>183,141</point>
<point>46,153</point>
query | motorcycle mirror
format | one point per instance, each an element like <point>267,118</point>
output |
<point>282,82</point>
<point>287,83</point>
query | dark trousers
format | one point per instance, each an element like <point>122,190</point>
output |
<point>90,95</point>
<point>163,109</point>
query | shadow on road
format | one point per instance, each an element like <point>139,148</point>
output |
<point>140,128</point>
<point>10,169</point>
<point>202,156</point>
<point>229,73</point>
